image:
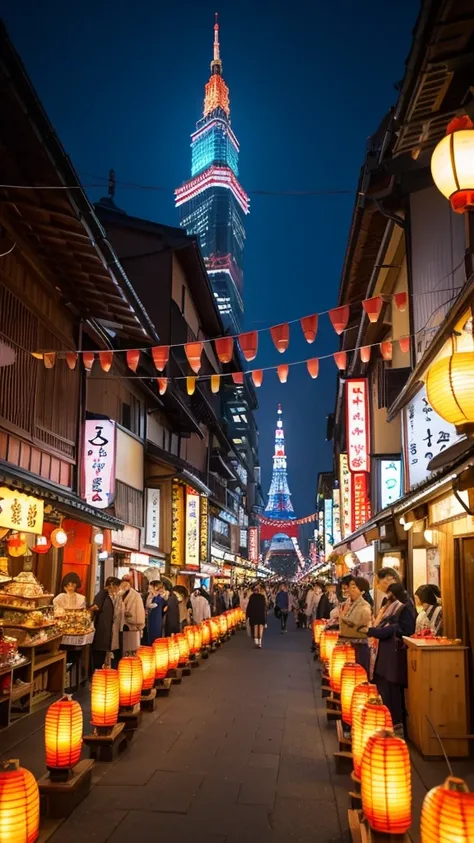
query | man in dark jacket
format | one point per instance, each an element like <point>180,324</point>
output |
<point>172,625</point>
<point>104,610</point>
<point>283,604</point>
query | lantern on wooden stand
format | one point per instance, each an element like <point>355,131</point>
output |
<point>318,627</point>
<point>222,620</point>
<point>360,695</point>
<point>130,673</point>
<point>183,645</point>
<point>63,737</point>
<point>447,815</point>
<point>341,654</point>
<point>327,643</point>
<point>206,633</point>
<point>161,652</point>
<point>215,631</point>
<point>385,775</point>
<point>19,804</point>
<point>105,742</point>
<point>189,633</point>
<point>352,675</point>
<point>148,694</point>
<point>197,640</point>
<point>173,654</point>
<point>373,717</point>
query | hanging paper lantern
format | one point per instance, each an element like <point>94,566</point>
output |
<point>238,378</point>
<point>106,358</point>
<point>191,384</point>
<point>162,385</point>
<point>193,353</point>
<point>386,350</point>
<point>63,734</point>
<point>147,658</point>
<point>447,814</point>
<point>224,349</point>
<point>49,359</point>
<point>313,367</point>
<point>257,377</point>
<point>206,633</point>
<point>183,645</point>
<point>386,784</point>
<point>42,544</point>
<point>449,389</point>
<point>19,804</point>
<point>71,359</point>
<point>452,165</point>
<point>404,343</point>
<point>340,359</point>
<point>352,675</point>
<point>401,300</point>
<point>341,654</point>
<point>105,697</point>
<point>161,654</point>
<point>133,359</point>
<point>309,326</point>
<point>16,544</point>
<point>58,537</point>
<point>373,308</point>
<point>130,673</point>
<point>282,372</point>
<point>360,695</point>
<point>88,358</point>
<point>373,717</point>
<point>318,626</point>
<point>249,345</point>
<point>160,354</point>
<point>281,336</point>
<point>339,317</point>
<point>365,352</point>
<point>173,653</point>
<point>215,383</point>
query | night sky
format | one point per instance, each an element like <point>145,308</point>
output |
<point>123,84</point>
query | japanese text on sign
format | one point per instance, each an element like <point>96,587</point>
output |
<point>328,528</point>
<point>357,424</point>
<point>99,462</point>
<point>192,528</point>
<point>20,512</point>
<point>361,511</point>
<point>390,482</point>
<point>345,482</point>
<point>152,532</point>
<point>426,436</point>
<point>336,516</point>
<point>253,544</point>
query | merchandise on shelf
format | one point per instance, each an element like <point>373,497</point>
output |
<point>76,622</point>
<point>26,611</point>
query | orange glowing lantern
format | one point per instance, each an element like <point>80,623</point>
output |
<point>63,734</point>
<point>249,345</point>
<point>447,815</point>
<point>224,349</point>
<point>19,804</point>
<point>215,629</point>
<point>189,633</point>
<point>130,673</point>
<point>341,654</point>
<point>318,626</point>
<point>160,356</point>
<point>183,645</point>
<point>222,624</point>
<point>360,696</point>
<point>206,633</point>
<point>386,783</point>
<point>331,637</point>
<point>105,697</point>
<point>147,658</point>
<point>161,653</point>
<point>197,639</point>
<point>352,675</point>
<point>373,717</point>
<point>173,653</point>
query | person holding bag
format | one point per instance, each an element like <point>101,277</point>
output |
<point>354,618</point>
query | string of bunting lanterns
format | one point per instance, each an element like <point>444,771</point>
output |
<point>272,522</point>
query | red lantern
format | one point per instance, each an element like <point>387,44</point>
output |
<point>360,695</point>
<point>339,317</point>
<point>373,717</point>
<point>183,648</point>
<point>401,300</point>
<point>147,658</point>
<point>404,343</point>
<point>386,784</point>
<point>340,359</point>
<point>162,385</point>
<point>282,372</point>
<point>313,367</point>
<point>160,356</point>
<point>106,358</point>
<point>352,675</point>
<point>88,358</point>
<point>133,359</point>
<point>215,629</point>
<point>341,654</point>
<point>49,359</point>
<point>309,326</point>
<point>447,815</point>
<point>42,544</point>
<point>105,697</point>
<point>238,378</point>
<point>63,734</point>
<point>224,349</point>
<point>162,661</point>
<point>197,639</point>
<point>71,359</point>
<point>19,805</point>
<point>222,624</point>
<point>373,308</point>
<point>281,336</point>
<point>193,352</point>
<point>386,350</point>
<point>130,673</point>
<point>173,653</point>
<point>249,345</point>
<point>365,352</point>
<point>257,377</point>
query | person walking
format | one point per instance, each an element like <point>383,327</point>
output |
<point>283,603</point>
<point>107,613</point>
<point>257,615</point>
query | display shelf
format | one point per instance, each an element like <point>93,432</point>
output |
<point>13,608</point>
<point>9,625</point>
<point>40,698</point>
<point>17,693</point>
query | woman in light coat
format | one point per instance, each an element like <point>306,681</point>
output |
<point>200,607</point>
<point>133,617</point>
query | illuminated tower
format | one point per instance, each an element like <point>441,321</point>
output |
<point>212,204</point>
<point>279,504</point>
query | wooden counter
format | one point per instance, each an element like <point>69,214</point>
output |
<point>437,690</point>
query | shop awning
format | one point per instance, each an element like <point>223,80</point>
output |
<point>64,500</point>
<point>194,481</point>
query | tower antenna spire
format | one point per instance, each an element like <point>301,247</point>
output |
<point>216,64</point>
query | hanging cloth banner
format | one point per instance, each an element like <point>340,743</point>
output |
<point>281,336</point>
<point>225,349</point>
<point>309,326</point>
<point>193,353</point>
<point>249,345</point>
<point>160,356</point>
<point>274,522</point>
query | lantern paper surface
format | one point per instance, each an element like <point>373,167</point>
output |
<point>341,654</point>
<point>224,349</point>
<point>447,815</point>
<point>373,308</point>
<point>49,359</point>
<point>386,783</point>
<point>161,653</point>
<point>449,388</point>
<point>404,343</point>
<point>105,697</point>
<point>365,352</point>
<point>133,359</point>
<point>281,336</point>
<point>360,696</point>
<point>160,356</point>
<point>309,326</point>
<point>313,367</point>
<point>401,300</point>
<point>352,675</point>
<point>215,629</point>
<point>71,359</point>
<point>183,645</point>
<point>215,383</point>
<point>147,658</point>
<point>318,626</point>
<point>191,384</point>
<point>386,350</point>
<point>106,358</point>
<point>63,734</point>
<point>282,372</point>
<point>238,378</point>
<point>452,164</point>
<point>193,352</point>
<point>197,639</point>
<point>88,358</point>
<point>189,633</point>
<point>339,317</point>
<point>257,377</point>
<point>222,620</point>
<point>173,653</point>
<point>19,806</point>
<point>162,385</point>
<point>373,717</point>
<point>130,673</point>
<point>249,345</point>
<point>340,359</point>
<point>330,640</point>
<point>206,633</point>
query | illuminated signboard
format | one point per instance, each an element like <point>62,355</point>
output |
<point>336,516</point>
<point>390,482</point>
<point>99,462</point>
<point>253,544</point>
<point>192,538</point>
<point>345,482</point>
<point>204,534</point>
<point>152,527</point>
<point>360,500</point>
<point>328,528</point>
<point>20,512</point>
<point>425,436</point>
<point>357,425</point>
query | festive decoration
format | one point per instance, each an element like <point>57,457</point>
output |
<point>16,543</point>
<point>373,716</point>
<point>401,301</point>
<point>88,358</point>
<point>130,673</point>
<point>404,343</point>
<point>365,352</point>
<point>206,634</point>
<point>161,657</point>
<point>238,378</point>
<point>249,345</point>
<point>49,359</point>
<point>309,326</point>
<point>183,645</point>
<point>193,351</point>
<point>71,359</point>
<point>133,359</point>
<point>177,523</point>
<point>360,695</point>
<point>279,504</point>
<point>339,317</point>
<point>106,358</point>
<point>386,783</point>
<point>215,383</point>
<point>449,389</point>
<point>225,349</point>
<point>452,164</point>
<point>280,335</point>
<point>340,359</point>
<point>341,654</point>
<point>313,367</point>
<point>58,538</point>
<point>318,626</point>
<point>63,734</point>
<point>191,384</point>
<point>160,356</point>
<point>257,377</point>
<point>173,653</point>
<point>358,427</point>
<point>197,639</point>
<point>147,658</point>
<point>386,350</point>
<point>215,629</point>
<point>105,697</point>
<point>41,545</point>
<point>222,621</point>
<point>162,385</point>
<point>19,804</point>
<point>447,814</point>
<point>327,642</point>
<point>282,372</point>
<point>280,522</point>
<point>351,676</point>
<point>373,308</point>
<point>189,633</point>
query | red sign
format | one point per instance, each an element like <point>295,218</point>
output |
<point>357,424</point>
<point>361,511</point>
<point>253,544</point>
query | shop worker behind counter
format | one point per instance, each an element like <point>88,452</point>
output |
<point>107,613</point>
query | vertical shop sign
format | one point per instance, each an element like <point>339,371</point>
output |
<point>253,545</point>
<point>192,528</point>
<point>345,482</point>
<point>328,527</point>
<point>425,436</point>
<point>360,497</point>
<point>177,525</point>
<point>336,516</point>
<point>152,530</point>
<point>357,424</point>
<point>390,482</point>
<point>204,528</point>
<point>99,462</point>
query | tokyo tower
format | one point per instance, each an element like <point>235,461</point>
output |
<point>279,504</point>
